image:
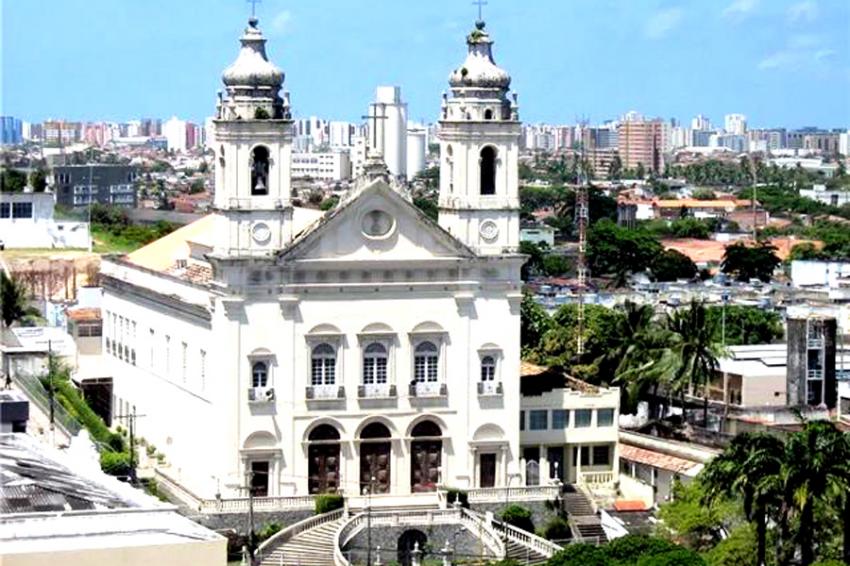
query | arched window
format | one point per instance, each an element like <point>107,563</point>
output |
<point>260,170</point>
<point>488,114</point>
<point>374,364</point>
<point>260,374</point>
<point>323,365</point>
<point>488,170</point>
<point>450,162</point>
<point>425,360</point>
<point>488,368</point>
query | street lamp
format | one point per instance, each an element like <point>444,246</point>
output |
<point>249,477</point>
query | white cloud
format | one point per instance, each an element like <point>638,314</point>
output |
<point>662,22</point>
<point>803,11</point>
<point>281,21</point>
<point>739,9</point>
<point>802,51</point>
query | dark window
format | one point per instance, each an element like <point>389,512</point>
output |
<point>21,210</point>
<point>488,114</point>
<point>488,170</point>
<point>522,420</point>
<point>5,209</point>
<point>585,455</point>
<point>260,171</point>
<point>488,368</point>
<point>538,420</point>
<point>375,364</point>
<point>425,360</point>
<point>260,479</point>
<point>560,419</point>
<point>260,374</point>
<point>604,417</point>
<point>323,365</point>
<point>601,456</point>
<point>583,417</point>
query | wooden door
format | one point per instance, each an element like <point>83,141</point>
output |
<point>487,470</point>
<point>323,468</point>
<point>375,460</point>
<point>425,468</point>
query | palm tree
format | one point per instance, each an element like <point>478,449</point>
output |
<point>748,468</point>
<point>13,297</point>
<point>695,350</point>
<point>816,469</point>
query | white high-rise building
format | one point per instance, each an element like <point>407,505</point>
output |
<point>174,131</point>
<point>209,133</point>
<point>735,124</point>
<point>417,148</point>
<point>341,134</point>
<point>391,127</point>
<point>844,143</point>
<point>700,123</point>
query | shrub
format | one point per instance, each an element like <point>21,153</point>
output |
<point>328,502</point>
<point>631,546</point>
<point>557,529</point>
<point>116,442</point>
<point>454,494</point>
<point>151,450</point>
<point>677,557</point>
<point>115,463</point>
<point>268,530</point>
<point>518,516</point>
<point>580,555</point>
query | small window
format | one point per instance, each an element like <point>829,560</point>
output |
<point>488,114</point>
<point>21,210</point>
<point>522,420</point>
<point>583,417</point>
<point>538,420</point>
<point>425,360</point>
<point>260,374</point>
<point>374,364</point>
<point>260,171</point>
<point>323,365</point>
<point>601,455</point>
<point>488,368</point>
<point>5,209</point>
<point>488,171</point>
<point>560,419</point>
<point>605,417</point>
<point>585,455</point>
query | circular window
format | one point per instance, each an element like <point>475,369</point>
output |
<point>377,224</point>
<point>488,230</point>
<point>261,233</point>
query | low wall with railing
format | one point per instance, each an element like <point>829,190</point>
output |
<point>31,386</point>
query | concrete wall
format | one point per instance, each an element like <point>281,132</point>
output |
<point>465,545</point>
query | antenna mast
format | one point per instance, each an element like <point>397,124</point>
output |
<point>581,216</point>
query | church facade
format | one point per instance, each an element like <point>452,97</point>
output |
<point>368,348</point>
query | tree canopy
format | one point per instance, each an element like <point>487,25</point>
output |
<point>750,262</point>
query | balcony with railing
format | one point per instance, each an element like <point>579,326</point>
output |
<point>376,391</point>
<point>815,374</point>
<point>490,388</point>
<point>428,389</point>
<point>260,394</point>
<point>330,392</point>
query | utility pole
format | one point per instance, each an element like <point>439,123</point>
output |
<point>131,427</point>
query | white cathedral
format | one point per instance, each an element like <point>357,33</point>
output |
<point>366,347</point>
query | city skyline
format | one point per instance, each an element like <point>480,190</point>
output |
<point>783,54</point>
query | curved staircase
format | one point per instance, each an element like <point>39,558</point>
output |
<point>307,543</point>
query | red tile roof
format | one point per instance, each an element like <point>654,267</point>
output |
<point>84,314</point>
<point>656,459</point>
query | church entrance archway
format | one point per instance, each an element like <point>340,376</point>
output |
<point>407,542</point>
<point>426,452</point>
<point>323,459</point>
<point>375,458</point>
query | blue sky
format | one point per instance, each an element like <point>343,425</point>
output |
<point>780,62</point>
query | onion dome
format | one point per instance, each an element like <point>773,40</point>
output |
<point>479,70</point>
<point>252,68</point>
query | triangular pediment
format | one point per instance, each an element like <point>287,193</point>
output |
<point>375,223</point>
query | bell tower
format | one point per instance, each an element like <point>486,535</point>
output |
<point>253,146</point>
<point>479,150</point>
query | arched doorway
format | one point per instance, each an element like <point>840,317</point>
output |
<point>426,452</point>
<point>407,542</point>
<point>375,458</point>
<point>323,459</point>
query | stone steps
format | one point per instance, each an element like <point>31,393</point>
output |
<point>314,547</point>
<point>521,554</point>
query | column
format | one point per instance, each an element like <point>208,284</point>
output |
<point>473,481</point>
<point>503,463</point>
<point>578,463</point>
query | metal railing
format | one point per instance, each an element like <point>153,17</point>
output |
<point>268,546</point>
<point>31,386</point>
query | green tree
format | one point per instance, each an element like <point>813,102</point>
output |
<point>519,517</point>
<point>618,251</point>
<point>12,181</point>
<point>329,203</point>
<point>745,325</point>
<point>750,262</point>
<point>428,205</point>
<point>815,471</point>
<point>696,353</point>
<point>689,521</point>
<point>615,168</point>
<point>748,469</point>
<point>640,172</point>
<point>38,180</point>
<point>805,251</point>
<point>670,265</point>
<point>15,306</point>
<point>534,323</point>
<point>555,265</point>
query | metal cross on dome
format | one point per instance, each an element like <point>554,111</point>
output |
<point>480,4</point>
<point>253,4</point>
